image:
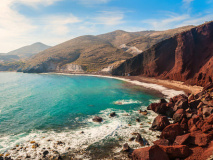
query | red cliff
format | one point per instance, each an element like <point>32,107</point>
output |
<point>187,57</point>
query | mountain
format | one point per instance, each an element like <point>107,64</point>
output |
<point>96,53</point>
<point>28,51</point>
<point>6,57</point>
<point>187,57</point>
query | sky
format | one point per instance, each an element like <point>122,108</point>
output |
<point>24,22</point>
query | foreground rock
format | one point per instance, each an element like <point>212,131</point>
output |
<point>149,153</point>
<point>159,123</point>
<point>97,119</point>
<point>191,134</point>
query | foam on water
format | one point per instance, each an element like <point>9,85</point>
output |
<point>63,142</point>
<point>123,102</point>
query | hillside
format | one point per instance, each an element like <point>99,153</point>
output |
<point>94,53</point>
<point>30,50</point>
<point>187,56</point>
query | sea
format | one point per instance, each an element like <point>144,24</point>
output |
<point>55,112</point>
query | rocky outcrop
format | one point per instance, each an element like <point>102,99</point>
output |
<point>187,57</point>
<point>191,134</point>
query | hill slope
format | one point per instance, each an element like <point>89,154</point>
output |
<point>28,51</point>
<point>93,53</point>
<point>187,56</point>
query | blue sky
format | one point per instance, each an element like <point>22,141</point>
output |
<point>23,22</point>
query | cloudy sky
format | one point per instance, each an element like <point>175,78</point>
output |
<point>23,22</point>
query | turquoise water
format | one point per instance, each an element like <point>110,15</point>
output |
<point>50,102</point>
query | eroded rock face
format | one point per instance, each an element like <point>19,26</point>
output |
<point>188,57</point>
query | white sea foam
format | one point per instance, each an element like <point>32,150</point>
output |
<point>123,102</point>
<point>116,127</point>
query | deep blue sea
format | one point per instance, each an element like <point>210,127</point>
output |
<point>58,107</point>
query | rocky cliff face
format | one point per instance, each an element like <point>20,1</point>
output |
<point>187,56</point>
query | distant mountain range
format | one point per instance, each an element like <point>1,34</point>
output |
<point>96,53</point>
<point>28,51</point>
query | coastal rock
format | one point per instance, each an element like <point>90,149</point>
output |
<point>181,104</point>
<point>191,97</point>
<point>200,139</point>
<point>178,97</point>
<point>193,121</point>
<point>163,101</point>
<point>159,123</point>
<point>163,142</point>
<point>140,140</point>
<point>113,114</point>
<point>149,153</point>
<point>176,151</point>
<point>143,112</point>
<point>97,119</point>
<point>184,124</point>
<point>179,115</point>
<point>171,131</point>
<point>183,139</point>
<point>126,147</point>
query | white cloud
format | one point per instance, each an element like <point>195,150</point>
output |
<point>188,1</point>
<point>167,23</point>
<point>109,18</point>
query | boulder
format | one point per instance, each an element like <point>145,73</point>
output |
<point>153,106</point>
<point>113,114</point>
<point>183,139</point>
<point>163,142</point>
<point>143,112</point>
<point>140,140</point>
<point>200,139</point>
<point>97,119</point>
<point>159,123</point>
<point>171,131</point>
<point>178,97</point>
<point>179,115</point>
<point>126,147</point>
<point>163,101</point>
<point>149,153</point>
<point>181,104</point>
<point>176,151</point>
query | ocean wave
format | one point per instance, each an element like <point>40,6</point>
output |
<point>115,127</point>
<point>124,102</point>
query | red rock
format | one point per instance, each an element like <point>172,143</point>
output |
<point>208,153</point>
<point>200,139</point>
<point>126,147</point>
<point>159,123</point>
<point>196,153</point>
<point>183,139</point>
<point>179,115</point>
<point>181,104</point>
<point>208,86</point>
<point>178,97</point>
<point>207,111</point>
<point>193,121</point>
<point>171,132</point>
<point>163,142</point>
<point>184,124</point>
<point>176,151</point>
<point>149,153</point>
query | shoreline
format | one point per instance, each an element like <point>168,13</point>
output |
<point>169,88</point>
